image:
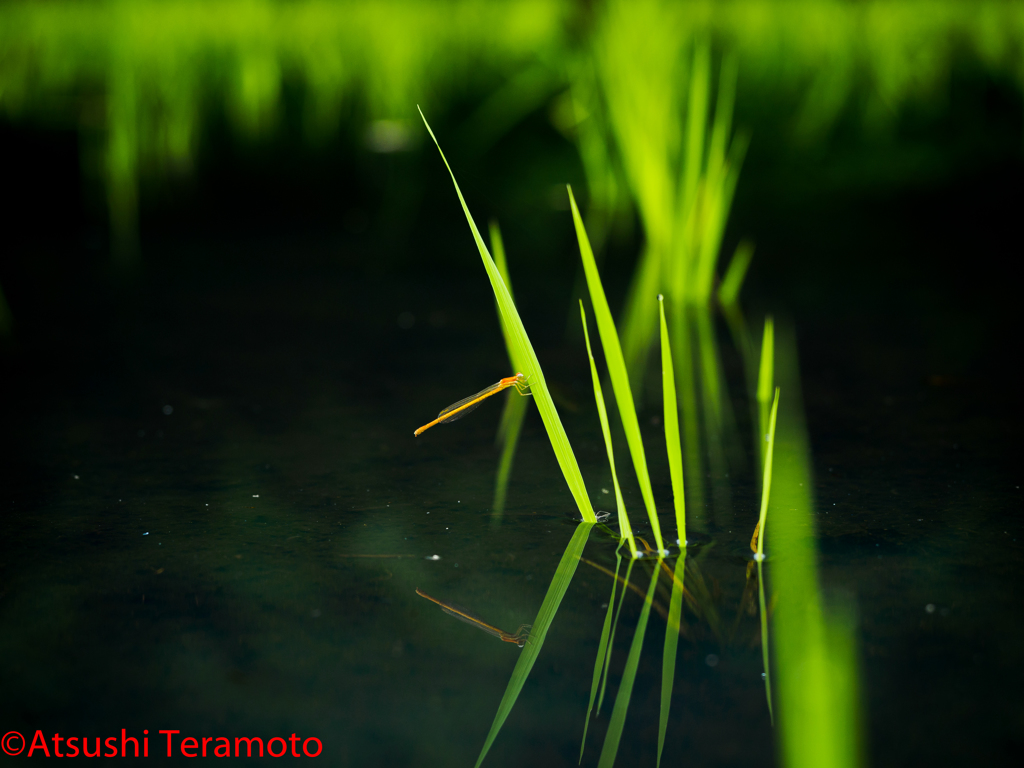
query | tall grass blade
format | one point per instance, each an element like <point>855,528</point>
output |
<point>766,375</point>
<point>672,443</point>
<point>538,633</point>
<point>616,371</point>
<point>668,657</point>
<point>765,384</point>
<point>625,692</point>
<point>522,350</point>
<point>625,529</point>
<point>766,484</point>
<point>602,649</point>
<point>765,655</point>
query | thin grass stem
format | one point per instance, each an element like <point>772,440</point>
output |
<point>616,371</point>
<point>625,529</point>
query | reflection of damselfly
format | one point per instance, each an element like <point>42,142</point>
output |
<point>457,410</point>
<point>520,636</point>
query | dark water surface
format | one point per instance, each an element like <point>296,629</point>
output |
<point>217,517</point>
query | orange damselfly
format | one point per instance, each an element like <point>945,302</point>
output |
<point>457,410</point>
<point>519,637</point>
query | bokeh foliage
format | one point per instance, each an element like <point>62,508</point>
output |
<point>141,79</point>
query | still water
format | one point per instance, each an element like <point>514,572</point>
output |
<point>217,518</point>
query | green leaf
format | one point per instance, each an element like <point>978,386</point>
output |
<point>616,371</point>
<point>625,529</point>
<point>765,375</point>
<point>766,485</point>
<point>672,444</point>
<point>622,697</point>
<point>765,385</point>
<point>522,350</point>
<point>538,633</point>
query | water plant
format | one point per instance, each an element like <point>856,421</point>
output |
<point>620,506</point>
<point>545,616</point>
<point>523,354</point>
<point>617,372</point>
<point>816,679</point>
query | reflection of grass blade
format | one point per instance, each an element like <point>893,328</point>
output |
<point>766,484</point>
<point>616,370</point>
<point>602,647</point>
<point>522,350</point>
<point>672,445</point>
<point>625,529</point>
<point>512,426</point>
<point>814,659</point>
<point>729,290</point>
<point>764,642</point>
<point>611,638</point>
<point>618,718</point>
<point>668,658</point>
<point>556,591</point>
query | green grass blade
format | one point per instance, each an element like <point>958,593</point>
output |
<point>766,377</point>
<point>617,371</point>
<point>729,290</point>
<point>611,637</point>
<point>538,633</point>
<point>766,485</point>
<point>602,649</point>
<point>672,444</point>
<point>764,643</point>
<point>522,350</point>
<point>668,657</point>
<point>625,529</point>
<point>765,384</point>
<point>622,697</point>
